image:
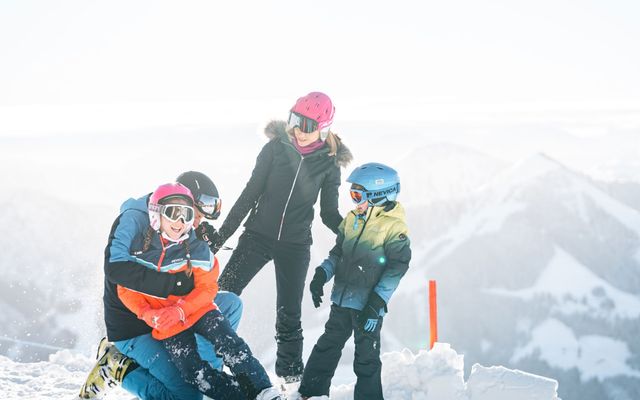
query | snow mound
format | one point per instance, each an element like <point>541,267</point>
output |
<point>500,383</point>
<point>439,375</point>
<point>429,375</point>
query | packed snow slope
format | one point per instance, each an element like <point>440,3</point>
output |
<point>429,375</point>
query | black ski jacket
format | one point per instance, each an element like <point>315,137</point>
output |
<point>284,187</point>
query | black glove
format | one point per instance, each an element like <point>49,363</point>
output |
<point>209,234</point>
<point>370,314</point>
<point>183,284</point>
<point>318,281</point>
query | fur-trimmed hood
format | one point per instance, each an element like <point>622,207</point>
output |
<point>277,129</point>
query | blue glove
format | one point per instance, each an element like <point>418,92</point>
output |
<point>370,315</point>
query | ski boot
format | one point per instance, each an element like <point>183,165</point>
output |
<point>289,386</point>
<point>270,393</point>
<point>108,372</point>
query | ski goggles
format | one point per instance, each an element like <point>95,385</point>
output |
<point>306,125</point>
<point>210,206</point>
<point>358,196</point>
<point>175,212</point>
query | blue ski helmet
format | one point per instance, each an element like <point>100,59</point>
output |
<point>380,184</point>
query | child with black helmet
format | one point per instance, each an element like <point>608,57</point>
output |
<point>371,255</point>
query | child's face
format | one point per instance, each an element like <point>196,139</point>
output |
<point>176,229</point>
<point>356,193</point>
<point>362,208</point>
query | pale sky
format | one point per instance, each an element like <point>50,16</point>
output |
<point>207,60</point>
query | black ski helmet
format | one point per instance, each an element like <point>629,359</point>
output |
<point>205,193</point>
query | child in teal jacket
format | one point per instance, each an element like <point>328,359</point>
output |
<point>371,255</point>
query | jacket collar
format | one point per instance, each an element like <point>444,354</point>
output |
<point>277,130</point>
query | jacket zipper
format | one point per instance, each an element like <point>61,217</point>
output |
<point>164,250</point>
<point>353,249</point>
<point>286,205</point>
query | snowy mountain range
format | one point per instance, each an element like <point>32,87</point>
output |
<point>541,274</point>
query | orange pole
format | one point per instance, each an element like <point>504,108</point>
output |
<point>433,314</point>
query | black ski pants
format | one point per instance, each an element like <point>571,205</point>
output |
<point>325,356</point>
<point>291,262</point>
<point>249,376</point>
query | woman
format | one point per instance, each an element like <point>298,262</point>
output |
<point>112,367</point>
<point>169,245</point>
<point>302,158</point>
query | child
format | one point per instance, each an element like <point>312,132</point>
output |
<point>371,255</point>
<point>169,245</point>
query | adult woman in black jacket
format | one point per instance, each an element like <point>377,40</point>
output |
<point>302,158</point>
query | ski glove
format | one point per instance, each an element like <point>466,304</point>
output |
<point>370,315</point>
<point>169,316</point>
<point>318,281</point>
<point>209,234</point>
<point>151,317</point>
<point>183,284</point>
<point>162,318</point>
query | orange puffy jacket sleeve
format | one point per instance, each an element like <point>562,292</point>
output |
<point>195,304</point>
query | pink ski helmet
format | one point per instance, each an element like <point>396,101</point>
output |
<point>316,106</point>
<point>162,195</point>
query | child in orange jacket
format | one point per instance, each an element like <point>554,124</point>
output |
<point>163,315</point>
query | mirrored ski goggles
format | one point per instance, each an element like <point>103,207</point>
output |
<point>210,206</point>
<point>306,125</point>
<point>174,212</point>
<point>358,196</point>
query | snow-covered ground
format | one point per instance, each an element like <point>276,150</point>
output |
<point>429,375</point>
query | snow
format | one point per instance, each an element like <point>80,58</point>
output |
<point>533,167</point>
<point>478,221</point>
<point>429,375</point>
<point>500,383</point>
<point>588,293</point>
<point>445,172</point>
<point>617,171</point>
<point>497,203</point>
<point>626,215</point>
<point>594,356</point>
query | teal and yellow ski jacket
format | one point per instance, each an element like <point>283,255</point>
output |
<point>372,253</point>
